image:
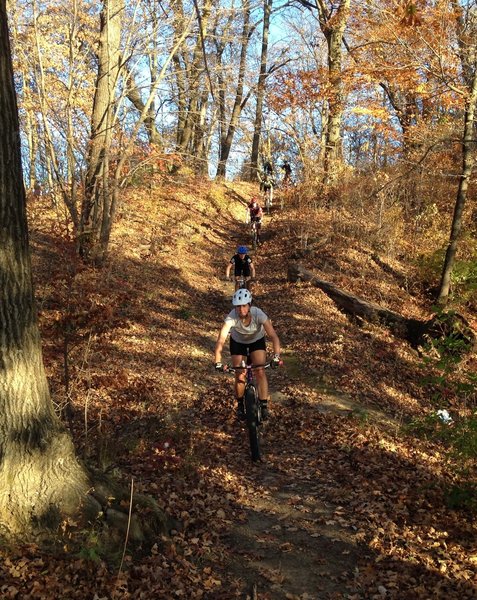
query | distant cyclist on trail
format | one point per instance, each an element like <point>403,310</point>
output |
<point>247,326</point>
<point>265,176</point>
<point>255,213</point>
<point>267,168</point>
<point>287,175</point>
<point>243,267</point>
<point>267,183</point>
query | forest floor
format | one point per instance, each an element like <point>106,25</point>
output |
<point>348,503</point>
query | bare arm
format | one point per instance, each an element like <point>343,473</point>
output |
<point>252,270</point>
<point>272,335</point>
<point>219,345</point>
<point>227,270</point>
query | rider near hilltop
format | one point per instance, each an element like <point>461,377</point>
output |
<point>287,172</point>
<point>265,177</point>
<point>247,326</point>
<point>267,181</point>
<point>267,167</point>
<point>243,267</point>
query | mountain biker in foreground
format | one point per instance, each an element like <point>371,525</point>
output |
<point>256,213</point>
<point>243,267</point>
<point>247,326</point>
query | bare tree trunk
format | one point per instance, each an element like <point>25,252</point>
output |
<point>468,162</point>
<point>192,84</point>
<point>134,96</point>
<point>180,70</point>
<point>466,26</point>
<point>257,129</point>
<point>200,147</point>
<point>40,478</point>
<point>333,29</point>
<point>71,201</point>
<point>96,198</point>
<point>227,136</point>
<point>32,136</point>
<point>333,22</point>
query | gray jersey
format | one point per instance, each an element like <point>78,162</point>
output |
<point>250,333</point>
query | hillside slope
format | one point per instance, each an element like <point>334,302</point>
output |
<point>345,505</point>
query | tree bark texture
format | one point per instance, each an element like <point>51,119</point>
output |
<point>95,208</point>
<point>40,478</point>
<point>333,30</point>
<point>333,21</point>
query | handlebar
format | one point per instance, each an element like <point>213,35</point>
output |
<point>232,369</point>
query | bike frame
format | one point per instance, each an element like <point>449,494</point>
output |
<point>253,411</point>
<point>254,232</point>
<point>242,283</point>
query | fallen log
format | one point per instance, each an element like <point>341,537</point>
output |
<point>415,331</point>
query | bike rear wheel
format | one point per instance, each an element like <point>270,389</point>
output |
<point>268,200</point>
<point>253,420</point>
<point>254,238</point>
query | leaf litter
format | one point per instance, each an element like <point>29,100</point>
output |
<point>344,505</point>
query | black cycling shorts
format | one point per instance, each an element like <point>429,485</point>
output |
<point>238,349</point>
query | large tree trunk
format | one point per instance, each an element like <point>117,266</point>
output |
<point>40,478</point>
<point>333,23</point>
<point>414,331</point>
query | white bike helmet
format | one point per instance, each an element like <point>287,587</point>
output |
<point>242,297</point>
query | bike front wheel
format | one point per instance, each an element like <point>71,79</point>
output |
<point>252,415</point>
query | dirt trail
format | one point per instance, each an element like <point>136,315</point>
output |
<point>289,543</point>
<point>289,546</point>
<point>341,508</point>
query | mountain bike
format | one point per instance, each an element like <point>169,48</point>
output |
<point>243,283</point>
<point>253,410</point>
